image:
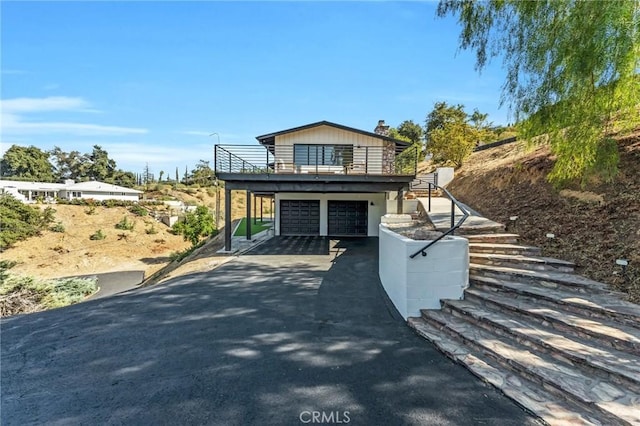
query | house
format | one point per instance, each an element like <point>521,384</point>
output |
<point>324,178</point>
<point>29,192</point>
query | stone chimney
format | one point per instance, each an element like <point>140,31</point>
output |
<point>381,128</point>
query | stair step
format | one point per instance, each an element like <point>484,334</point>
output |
<point>503,248</point>
<point>594,304</point>
<point>528,262</point>
<point>530,396</point>
<point>619,367</point>
<point>484,228</point>
<point>615,404</point>
<point>543,278</point>
<point>613,334</point>
<point>493,238</point>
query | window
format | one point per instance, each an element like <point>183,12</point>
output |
<point>331,155</point>
<point>76,194</point>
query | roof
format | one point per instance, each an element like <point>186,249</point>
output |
<point>81,186</point>
<point>100,187</point>
<point>269,139</point>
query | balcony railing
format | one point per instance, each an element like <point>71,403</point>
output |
<point>316,159</point>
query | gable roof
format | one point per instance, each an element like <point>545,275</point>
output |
<point>269,138</point>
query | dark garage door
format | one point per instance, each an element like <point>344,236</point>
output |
<point>299,217</point>
<point>348,218</point>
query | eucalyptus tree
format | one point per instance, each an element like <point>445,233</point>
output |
<point>572,72</point>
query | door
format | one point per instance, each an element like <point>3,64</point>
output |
<point>299,217</point>
<point>348,218</point>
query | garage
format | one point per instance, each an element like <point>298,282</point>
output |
<point>299,217</point>
<point>348,218</point>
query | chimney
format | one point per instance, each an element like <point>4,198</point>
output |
<point>381,128</point>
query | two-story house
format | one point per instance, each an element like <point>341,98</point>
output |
<point>326,179</point>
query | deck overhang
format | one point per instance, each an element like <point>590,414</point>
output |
<point>278,182</point>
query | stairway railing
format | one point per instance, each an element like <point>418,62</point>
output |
<point>454,203</point>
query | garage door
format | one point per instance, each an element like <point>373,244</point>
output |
<point>348,218</point>
<point>299,217</point>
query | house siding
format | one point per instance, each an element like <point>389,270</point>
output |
<point>374,212</point>
<point>326,135</point>
<point>99,196</point>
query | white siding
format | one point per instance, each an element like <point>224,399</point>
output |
<point>374,213</point>
<point>100,196</point>
<point>327,135</point>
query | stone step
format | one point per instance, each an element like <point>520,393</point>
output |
<point>608,332</point>
<point>528,395</point>
<point>546,279</point>
<point>503,248</point>
<point>612,403</point>
<point>605,306</point>
<point>493,238</point>
<point>619,367</point>
<point>523,262</point>
<point>483,228</point>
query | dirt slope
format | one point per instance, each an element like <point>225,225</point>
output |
<point>55,254</point>
<point>593,226</point>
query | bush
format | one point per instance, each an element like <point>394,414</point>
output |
<point>27,294</point>
<point>58,227</point>
<point>138,210</point>
<point>90,210</point>
<point>151,230</point>
<point>125,224</point>
<point>19,221</point>
<point>195,225</point>
<point>98,235</point>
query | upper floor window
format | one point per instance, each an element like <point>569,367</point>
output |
<point>331,155</point>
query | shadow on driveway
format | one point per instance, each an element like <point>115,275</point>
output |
<point>260,340</point>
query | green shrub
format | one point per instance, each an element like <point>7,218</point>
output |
<point>98,235</point>
<point>125,224</point>
<point>138,210</point>
<point>90,210</point>
<point>58,227</point>
<point>19,221</point>
<point>195,225</point>
<point>151,230</point>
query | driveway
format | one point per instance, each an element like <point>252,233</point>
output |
<point>264,339</point>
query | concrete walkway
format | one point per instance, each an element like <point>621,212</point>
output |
<point>264,339</point>
<point>440,215</point>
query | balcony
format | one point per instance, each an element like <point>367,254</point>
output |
<point>303,160</point>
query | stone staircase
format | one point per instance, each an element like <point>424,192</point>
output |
<point>564,347</point>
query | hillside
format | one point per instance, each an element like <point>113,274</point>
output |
<point>593,226</point>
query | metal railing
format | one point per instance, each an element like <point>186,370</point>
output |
<point>316,159</point>
<point>454,203</point>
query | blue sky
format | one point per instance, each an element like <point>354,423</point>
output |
<point>149,81</point>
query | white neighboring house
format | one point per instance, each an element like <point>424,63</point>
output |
<point>29,192</point>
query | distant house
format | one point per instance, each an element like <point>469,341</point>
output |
<point>29,192</point>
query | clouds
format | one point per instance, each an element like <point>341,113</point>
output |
<point>23,116</point>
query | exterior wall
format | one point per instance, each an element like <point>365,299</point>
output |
<point>374,213</point>
<point>327,135</point>
<point>445,175</point>
<point>100,196</point>
<point>408,206</point>
<point>420,283</point>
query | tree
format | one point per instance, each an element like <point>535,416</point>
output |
<point>411,131</point>
<point>195,225</point>
<point>29,163</point>
<point>450,137</point>
<point>101,167</point>
<point>20,221</point>
<point>71,165</point>
<point>202,174</point>
<point>161,174</point>
<point>572,72</point>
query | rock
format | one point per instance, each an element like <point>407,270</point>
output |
<point>423,234</point>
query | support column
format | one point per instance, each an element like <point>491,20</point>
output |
<point>248,215</point>
<point>255,215</point>
<point>399,198</point>
<point>261,220</point>
<point>227,219</point>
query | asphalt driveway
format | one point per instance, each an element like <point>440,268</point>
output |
<point>264,339</point>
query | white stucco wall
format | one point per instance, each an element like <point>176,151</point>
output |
<point>100,196</point>
<point>420,283</point>
<point>445,175</point>
<point>374,214</point>
<point>408,206</point>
